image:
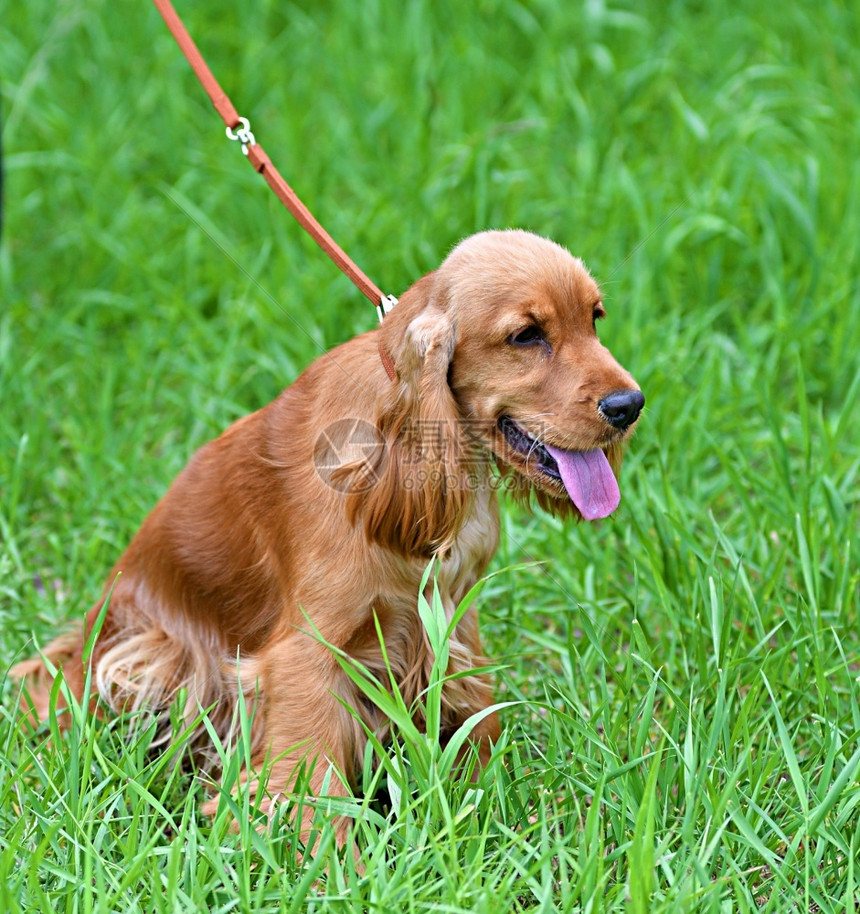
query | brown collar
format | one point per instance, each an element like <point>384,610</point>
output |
<point>387,362</point>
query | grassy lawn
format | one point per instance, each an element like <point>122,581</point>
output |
<point>682,704</point>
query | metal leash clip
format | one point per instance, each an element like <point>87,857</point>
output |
<point>243,135</point>
<point>386,303</point>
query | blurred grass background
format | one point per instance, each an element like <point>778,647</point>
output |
<point>702,159</point>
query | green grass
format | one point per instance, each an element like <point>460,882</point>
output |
<point>682,707</point>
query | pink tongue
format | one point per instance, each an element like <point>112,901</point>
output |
<point>589,481</point>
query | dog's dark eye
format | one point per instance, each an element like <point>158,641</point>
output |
<point>527,337</point>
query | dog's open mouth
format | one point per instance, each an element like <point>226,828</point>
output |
<point>586,475</point>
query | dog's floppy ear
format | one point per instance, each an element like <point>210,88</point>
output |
<point>422,495</point>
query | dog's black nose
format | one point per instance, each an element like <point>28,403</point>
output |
<point>621,408</point>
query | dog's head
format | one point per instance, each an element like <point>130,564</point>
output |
<point>497,353</point>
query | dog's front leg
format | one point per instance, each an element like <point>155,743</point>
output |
<point>305,723</point>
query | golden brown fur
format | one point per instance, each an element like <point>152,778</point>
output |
<point>250,537</point>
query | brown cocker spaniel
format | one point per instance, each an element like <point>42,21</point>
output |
<point>315,517</point>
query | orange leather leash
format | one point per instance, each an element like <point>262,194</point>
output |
<point>239,129</point>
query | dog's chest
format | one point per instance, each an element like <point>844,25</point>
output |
<point>470,553</point>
